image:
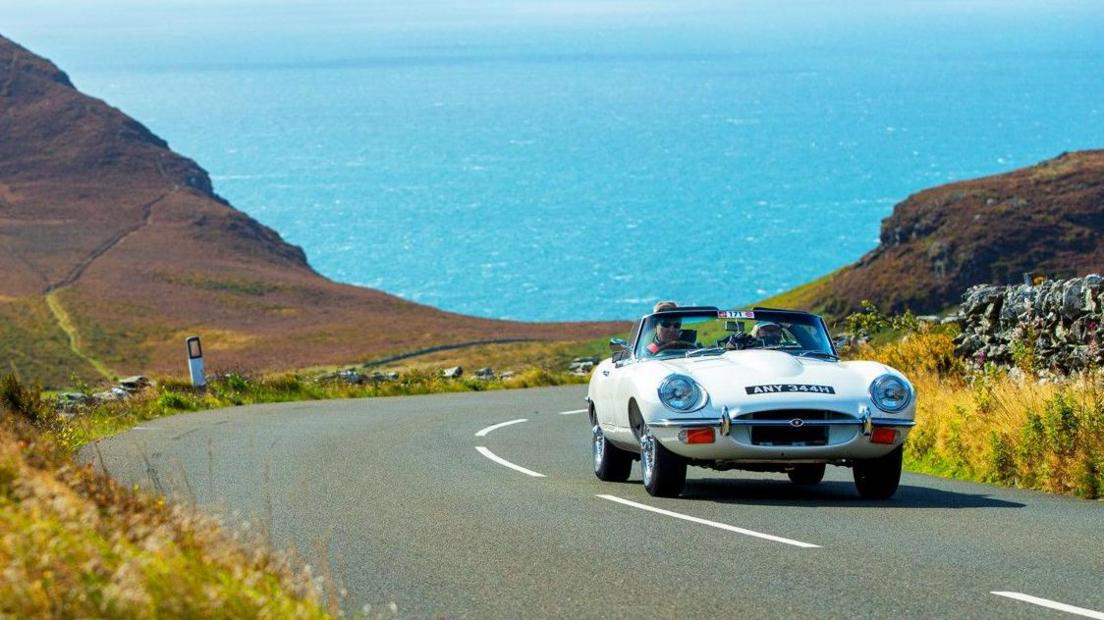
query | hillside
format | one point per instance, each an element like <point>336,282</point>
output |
<point>115,248</point>
<point>1046,218</point>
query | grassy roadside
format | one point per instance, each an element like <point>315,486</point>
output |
<point>996,426</point>
<point>535,364</point>
<point>76,544</point>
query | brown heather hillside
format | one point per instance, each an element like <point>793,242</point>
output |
<point>1047,218</point>
<point>113,249</point>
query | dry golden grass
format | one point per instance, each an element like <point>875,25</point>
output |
<point>75,544</point>
<point>990,426</point>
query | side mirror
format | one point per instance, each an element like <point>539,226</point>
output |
<point>617,345</point>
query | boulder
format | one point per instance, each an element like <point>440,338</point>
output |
<point>351,376</point>
<point>581,367</point>
<point>134,384</point>
<point>69,402</point>
<point>114,394</point>
<point>977,298</point>
<point>1073,294</point>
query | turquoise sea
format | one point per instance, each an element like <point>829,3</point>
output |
<point>580,160</point>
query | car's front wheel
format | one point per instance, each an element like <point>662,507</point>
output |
<point>807,474</point>
<point>611,463</point>
<point>664,471</point>
<point>878,478</point>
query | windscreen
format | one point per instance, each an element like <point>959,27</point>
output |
<point>674,334</point>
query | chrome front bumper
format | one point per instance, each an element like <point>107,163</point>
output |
<point>725,423</point>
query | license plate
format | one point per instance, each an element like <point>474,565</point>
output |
<point>779,388</point>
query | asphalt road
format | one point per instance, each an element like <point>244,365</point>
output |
<point>414,515</point>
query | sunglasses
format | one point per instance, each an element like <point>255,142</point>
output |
<point>671,323</point>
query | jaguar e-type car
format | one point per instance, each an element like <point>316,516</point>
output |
<point>759,390</point>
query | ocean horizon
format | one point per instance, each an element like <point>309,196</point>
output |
<point>576,161</point>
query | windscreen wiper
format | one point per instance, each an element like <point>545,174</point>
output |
<point>823,354</point>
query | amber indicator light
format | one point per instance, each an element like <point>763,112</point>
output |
<point>883,435</point>
<point>697,435</point>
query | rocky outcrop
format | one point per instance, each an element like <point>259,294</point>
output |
<point>1047,218</point>
<point>1056,326</point>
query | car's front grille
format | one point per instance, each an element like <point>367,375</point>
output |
<point>789,435</point>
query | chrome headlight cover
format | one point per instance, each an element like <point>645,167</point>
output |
<point>890,393</point>
<point>681,394</point>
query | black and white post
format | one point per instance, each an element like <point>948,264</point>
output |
<point>195,361</point>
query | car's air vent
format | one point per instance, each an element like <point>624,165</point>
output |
<point>802,414</point>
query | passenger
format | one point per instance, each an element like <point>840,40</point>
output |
<point>768,332</point>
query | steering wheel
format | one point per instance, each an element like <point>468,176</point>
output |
<point>677,344</point>
<point>739,341</point>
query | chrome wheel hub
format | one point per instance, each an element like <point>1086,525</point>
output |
<point>599,444</point>
<point>647,456</point>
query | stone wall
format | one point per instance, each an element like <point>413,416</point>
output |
<point>1059,324</point>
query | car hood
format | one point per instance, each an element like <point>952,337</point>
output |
<point>727,377</point>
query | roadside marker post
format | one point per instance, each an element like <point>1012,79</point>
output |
<point>195,361</point>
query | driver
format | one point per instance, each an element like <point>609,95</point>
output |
<point>668,329</point>
<point>769,332</point>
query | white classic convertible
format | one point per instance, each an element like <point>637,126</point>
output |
<point>760,390</point>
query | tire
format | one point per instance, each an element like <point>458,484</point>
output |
<point>664,472</point>
<point>878,478</point>
<point>611,464</point>
<point>807,474</point>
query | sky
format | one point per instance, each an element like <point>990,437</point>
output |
<point>80,34</point>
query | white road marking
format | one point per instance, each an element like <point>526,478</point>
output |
<point>722,526</point>
<point>501,461</point>
<point>573,412</point>
<point>1042,602</point>
<point>495,427</point>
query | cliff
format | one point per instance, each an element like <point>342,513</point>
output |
<point>1047,218</point>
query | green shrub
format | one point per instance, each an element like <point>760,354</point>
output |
<point>25,402</point>
<point>1089,480</point>
<point>173,401</point>
<point>287,382</point>
<point>1023,354</point>
<point>1001,460</point>
<point>235,381</point>
<point>1059,423</point>
<point>870,321</point>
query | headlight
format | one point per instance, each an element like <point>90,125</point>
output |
<point>681,393</point>
<point>890,393</point>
